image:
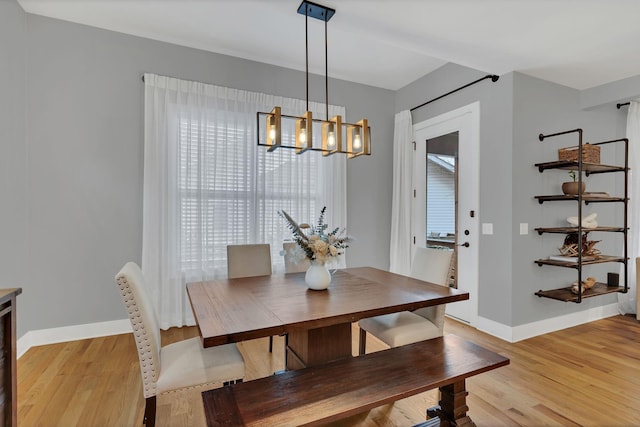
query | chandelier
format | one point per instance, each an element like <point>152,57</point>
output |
<point>336,136</point>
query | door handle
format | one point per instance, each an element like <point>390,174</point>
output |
<point>465,244</point>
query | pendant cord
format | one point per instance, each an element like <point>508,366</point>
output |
<point>326,70</point>
<point>306,48</point>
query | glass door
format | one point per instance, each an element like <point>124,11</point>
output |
<point>446,197</point>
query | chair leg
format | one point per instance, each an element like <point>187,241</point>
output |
<point>363,342</point>
<point>150,412</point>
<point>270,344</point>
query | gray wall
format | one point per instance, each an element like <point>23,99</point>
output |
<point>544,107</point>
<point>13,156</point>
<point>612,93</point>
<point>85,107</point>
<point>495,278</point>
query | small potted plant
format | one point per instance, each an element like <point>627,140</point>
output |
<point>571,187</point>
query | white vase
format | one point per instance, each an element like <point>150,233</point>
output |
<point>318,277</point>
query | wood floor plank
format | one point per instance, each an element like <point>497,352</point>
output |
<point>581,376</point>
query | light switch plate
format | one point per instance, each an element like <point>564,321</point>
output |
<point>524,228</point>
<point>487,228</point>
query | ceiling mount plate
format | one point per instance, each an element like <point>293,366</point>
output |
<point>315,10</point>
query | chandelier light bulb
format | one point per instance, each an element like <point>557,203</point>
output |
<point>303,135</point>
<point>331,140</point>
<point>331,136</point>
<point>357,143</point>
<point>272,133</point>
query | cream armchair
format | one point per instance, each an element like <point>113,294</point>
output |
<point>396,329</point>
<point>179,366</point>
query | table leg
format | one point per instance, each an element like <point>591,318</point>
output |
<point>312,347</point>
<point>453,408</point>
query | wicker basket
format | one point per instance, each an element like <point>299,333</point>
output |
<point>590,153</point>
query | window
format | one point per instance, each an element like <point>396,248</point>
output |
<point>230,191</point>
<point>441,195</point>
<point>207,184</point>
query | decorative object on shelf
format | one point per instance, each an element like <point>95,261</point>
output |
<point>613,279</point>
<point>586,284</point>
<point>335,133</point>
<point>590,153</point>
<point>573,187</point>
<point>318,246</point>
<point>571,246</point>
<point>567,258</point>
<point>588,221</point>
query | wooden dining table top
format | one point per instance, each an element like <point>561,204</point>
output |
<point>234,310</point>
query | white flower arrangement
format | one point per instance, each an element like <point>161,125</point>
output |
<point>316,244</point>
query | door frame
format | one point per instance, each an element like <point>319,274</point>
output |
<point>465,120</point>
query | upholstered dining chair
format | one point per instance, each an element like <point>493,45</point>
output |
<point>249,261</point>
<point>179,366</point>
<point>290,266</point>
<point>396,329</point>
<point>637,281</point>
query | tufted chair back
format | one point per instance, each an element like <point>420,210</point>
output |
<point>637,287</point>
<point>146,329</point>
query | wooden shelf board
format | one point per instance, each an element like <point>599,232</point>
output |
<point>565,294</point>
<point>585,198</point>
<point>601,260</point>
<point>587,167</point>
<point>565,230</point>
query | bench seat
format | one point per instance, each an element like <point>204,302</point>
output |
<point>346,387</point>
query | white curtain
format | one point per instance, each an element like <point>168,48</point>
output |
<point>207,184</point>
<point>400,249</point>
<point>627,302</point>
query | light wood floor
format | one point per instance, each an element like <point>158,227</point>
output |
<point>583,376</point>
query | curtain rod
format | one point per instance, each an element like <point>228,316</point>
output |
<point>493,78</point>
<point>622,105</point>
<point>173,77</point>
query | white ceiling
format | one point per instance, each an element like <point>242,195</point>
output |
<point>390,43</point>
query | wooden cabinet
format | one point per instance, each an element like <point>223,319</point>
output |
<point>8,383</point>
<point>600,288</point>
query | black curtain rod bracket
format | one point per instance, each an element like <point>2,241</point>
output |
<point>622,105</point>
<point>494,78</point>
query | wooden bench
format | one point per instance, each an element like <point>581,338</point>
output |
<point>345,387</point>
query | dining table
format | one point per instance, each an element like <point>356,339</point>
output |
<point>317,323</point>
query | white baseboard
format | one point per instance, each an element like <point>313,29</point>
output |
<point>71,333</point>
<point>522,332</point>
<point>507,333</point>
